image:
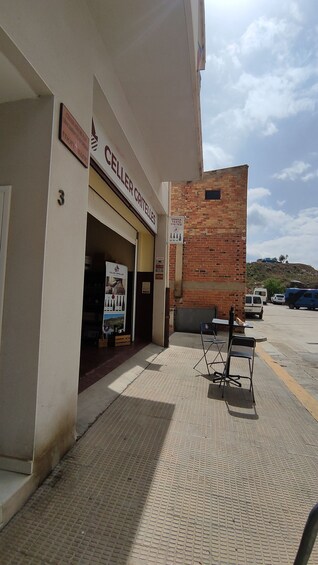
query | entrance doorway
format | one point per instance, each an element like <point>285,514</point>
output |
<point>100,356</point>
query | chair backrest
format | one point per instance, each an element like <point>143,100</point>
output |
<point>243,341</point>
<point>207,328</point>
<point>243,344</point>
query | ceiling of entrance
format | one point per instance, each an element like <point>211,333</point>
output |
<point>151,44</point>
<point>153,51</point>
<point>12,85</point>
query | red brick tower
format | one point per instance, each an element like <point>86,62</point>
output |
<point>209,268</point>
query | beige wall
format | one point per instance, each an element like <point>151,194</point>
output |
<point>146,245</point>
<point>58,55</point>
<point>46,249</point>
<point>25,146</point>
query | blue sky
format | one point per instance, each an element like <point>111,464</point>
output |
<point>259,103</point>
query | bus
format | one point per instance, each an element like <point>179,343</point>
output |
<point>301,298</point>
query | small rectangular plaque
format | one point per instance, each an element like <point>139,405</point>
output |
<point>145,289</point>
<point>159,268</point>
<point>73,136</point>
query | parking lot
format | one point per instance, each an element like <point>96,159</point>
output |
<point>292,341</point>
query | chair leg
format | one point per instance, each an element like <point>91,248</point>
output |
<point>206,361</point>
<point>224,381</point>
<point>195,366</point>
<point>224,374</point>
<point>218,354</point>
<point>251,367</point>
<point>218,374</point>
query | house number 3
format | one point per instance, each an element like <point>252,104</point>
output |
<point>61,198</point>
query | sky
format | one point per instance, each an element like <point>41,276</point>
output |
<point>259,105</point>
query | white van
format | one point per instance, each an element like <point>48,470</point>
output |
<point>262,292</point>
<point>253,305</point>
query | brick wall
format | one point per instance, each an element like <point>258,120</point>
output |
<point>214,248</point>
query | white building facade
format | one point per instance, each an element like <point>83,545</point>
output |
<point>99,111</point>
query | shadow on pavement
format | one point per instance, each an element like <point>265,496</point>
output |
<point>96,495</point>
<point>235,397</point>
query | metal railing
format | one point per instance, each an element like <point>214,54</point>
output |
<point>308,538</point>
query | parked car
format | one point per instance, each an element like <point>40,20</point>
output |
<point>253,305</point>
<point>278,299</point>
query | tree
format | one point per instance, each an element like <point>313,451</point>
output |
<point>281,258</point>
<point>274,286</point>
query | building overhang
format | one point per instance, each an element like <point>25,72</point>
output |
<point>157,51</point>
<point>18,78</point>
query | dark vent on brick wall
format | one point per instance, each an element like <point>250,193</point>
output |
<point>213,195</point>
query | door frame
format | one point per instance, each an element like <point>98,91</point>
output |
<point>5,202</point>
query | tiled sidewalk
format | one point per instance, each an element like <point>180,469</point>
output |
<point>171,473</point>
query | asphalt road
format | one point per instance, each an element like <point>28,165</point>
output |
<point>292,341</point>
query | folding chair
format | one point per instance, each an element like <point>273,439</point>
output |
<point>241,347</point>
<point>208,340</point>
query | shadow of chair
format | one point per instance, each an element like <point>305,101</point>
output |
<point>238,401</point>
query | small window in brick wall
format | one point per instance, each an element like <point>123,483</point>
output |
<point>213,195</point>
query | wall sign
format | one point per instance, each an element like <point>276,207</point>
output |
<point>176,229</point>
<point>112,163</point>
<point>159,268</point>
<point>145,287</point>
<point>73,136</point>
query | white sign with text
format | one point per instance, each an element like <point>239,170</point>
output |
<point>108,158</point>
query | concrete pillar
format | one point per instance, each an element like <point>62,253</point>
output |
<point>25,147</point>
<point>160,284</point>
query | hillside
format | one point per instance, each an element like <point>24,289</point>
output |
<point>257,273</point>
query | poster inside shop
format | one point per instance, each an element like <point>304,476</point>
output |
<point>115,303</point>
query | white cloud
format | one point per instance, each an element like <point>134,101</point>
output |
<point>263,77</point>
<point>272,96</point>
<point>260,107</point>
<point>270,129</point>
<point>267,33</point>
<point>310,176</point>
<point>266,218</point>
<point>293,172</point>
<point>261,101</point>
<point>215,62</point>
<point>215,157</point>
<point>234,53</point>
<point>256,194</point>
<point>272,233</point>
<point>295,12</point>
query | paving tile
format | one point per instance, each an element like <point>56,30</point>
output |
<point>173,474</point>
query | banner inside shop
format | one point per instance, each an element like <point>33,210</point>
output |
<point>115,303</point>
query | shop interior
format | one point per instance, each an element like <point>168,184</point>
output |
<point>99,354</point>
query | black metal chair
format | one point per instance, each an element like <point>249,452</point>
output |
<point>208,340</point>
<point>241,347</point>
